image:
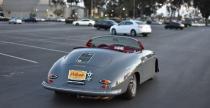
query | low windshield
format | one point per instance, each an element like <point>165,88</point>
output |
<point>123,44</point>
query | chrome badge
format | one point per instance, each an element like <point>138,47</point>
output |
<point>89,76</point>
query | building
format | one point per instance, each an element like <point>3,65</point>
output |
<point>41,8</point>
<point>74,10</point>
<point>1,13</point>
<point>23,8</point>
<point>67,9</point>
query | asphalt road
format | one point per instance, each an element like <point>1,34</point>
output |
<point>27,52</point>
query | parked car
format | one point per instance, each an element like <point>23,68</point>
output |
<point>61,19</point>
<point>197,24</point>
<point>15,20</point>
<point>104,24</point>
<point>4,18</point>
<point>69,20</point>
<point>132,27</point>
<point>174,25</point>
<point>118,20</point>
<point>30,20</point>
<point>156,23</point>
<point>40,19</point>
<point>106,67</point>
<point>187,23</point>
<point>87,22</point>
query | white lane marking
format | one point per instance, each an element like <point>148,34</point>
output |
<point>54,50</point>
<point>23,59</point>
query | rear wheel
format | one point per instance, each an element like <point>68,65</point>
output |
<point>133,33</point>
<point>77,24</point>
<point>90,24</point>
<point>114,32</point>
<point>132,88</point>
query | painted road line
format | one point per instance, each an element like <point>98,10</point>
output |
<point>19,58</point>
<point>31,46</point>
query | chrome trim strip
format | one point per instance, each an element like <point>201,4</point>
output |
<point>76,82</point>
<point>113,92</point>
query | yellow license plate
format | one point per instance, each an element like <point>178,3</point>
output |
<point>77,75</point>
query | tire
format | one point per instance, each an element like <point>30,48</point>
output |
<point>114,32</point>
<point>144,34</point>
<point>132,88</point>
<point>133,33</point>
<point>77,24</point>
<point>90,24</point>
<point>98,28</point>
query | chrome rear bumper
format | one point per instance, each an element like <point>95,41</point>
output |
<point>85,92</point>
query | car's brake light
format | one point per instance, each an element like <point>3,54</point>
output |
<point>89,44</point>
<point>105,84</point>
<point>51,77</point>
<point>141,45</point>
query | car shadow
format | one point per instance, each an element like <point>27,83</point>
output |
<point>72,100</point>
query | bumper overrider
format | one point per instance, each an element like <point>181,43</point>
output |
<point>83,92</point>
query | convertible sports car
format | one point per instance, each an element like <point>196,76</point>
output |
<point>106,67</point>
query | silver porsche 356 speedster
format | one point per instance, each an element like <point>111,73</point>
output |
<point>106,67</point>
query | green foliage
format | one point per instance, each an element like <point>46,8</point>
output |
<point>32,14</point>
<point>204,6</point>
<point>58,12</point>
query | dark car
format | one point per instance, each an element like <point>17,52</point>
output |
<point>30,20</point>
<point>118,20</point>
<point>104,24</point>
<point>4,18</point>
<point>69,20</point>
<point>174,25</point>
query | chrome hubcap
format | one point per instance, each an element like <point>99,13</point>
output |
<point>113,32</point>
<point>133,85</point>
<point>132,33</point>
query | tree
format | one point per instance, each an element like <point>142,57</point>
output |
<point>73,1</point>
<point>58,12</point>
<point>91,4</point>
<point>33,14</point>
<point>204,7</point>
<point>112,8</point>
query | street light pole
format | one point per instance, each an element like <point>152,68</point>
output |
<point>134,9</point>
<point>91,10</point>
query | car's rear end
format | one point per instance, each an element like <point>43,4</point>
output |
<point>98,24</point>
<point>143,28</point>
<point>18,21</point>
<point>82,73</point>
